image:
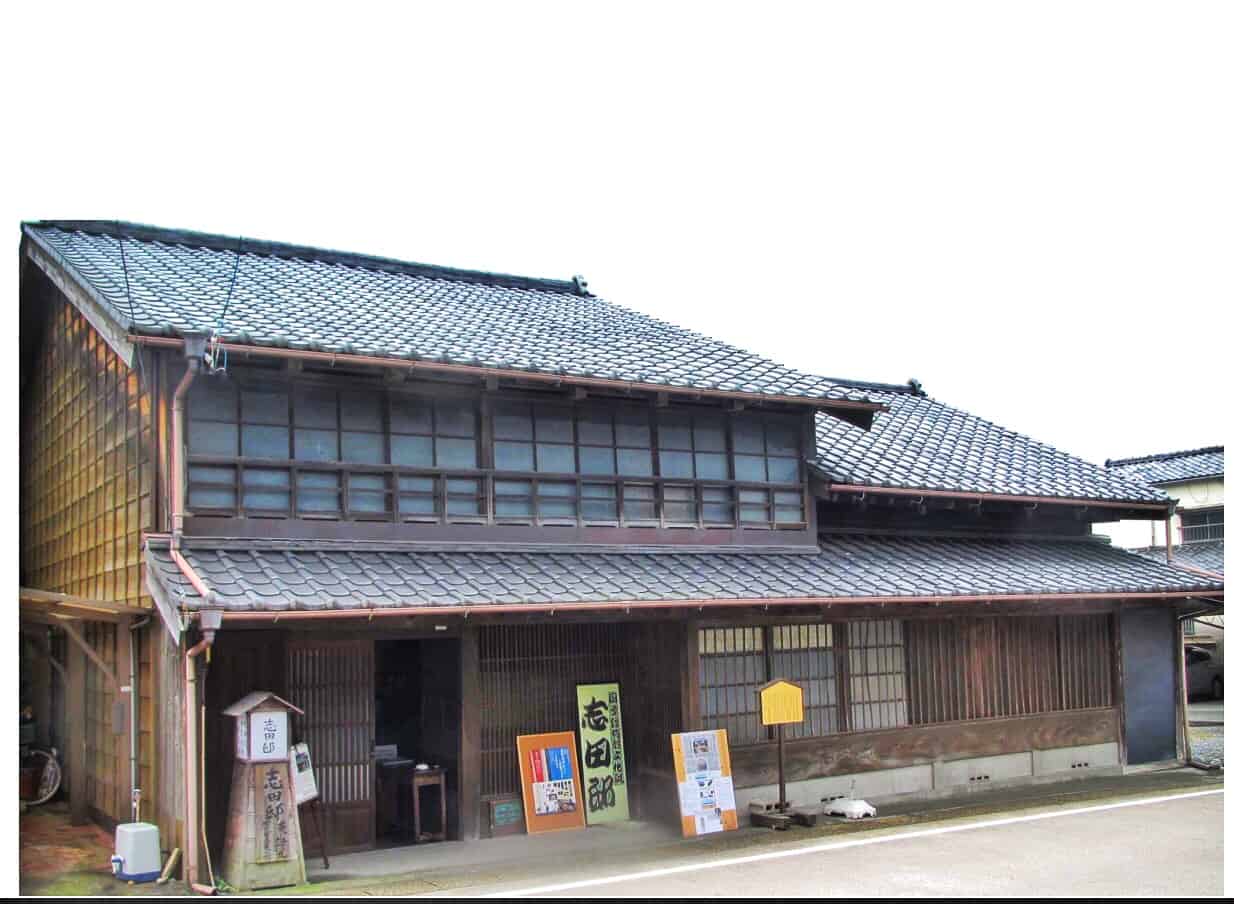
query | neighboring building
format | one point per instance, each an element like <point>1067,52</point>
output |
<point>422,504</point>
<point>1195,480</point>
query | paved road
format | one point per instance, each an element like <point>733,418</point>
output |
<point>1167,847</point>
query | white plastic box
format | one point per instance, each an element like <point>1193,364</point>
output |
<point>137,852</point>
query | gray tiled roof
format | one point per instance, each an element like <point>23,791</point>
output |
<point>921,443</point>
<point>269,577</point>
<point>1208,555</point>
<point>1172,467</point>
<point>318,300</point>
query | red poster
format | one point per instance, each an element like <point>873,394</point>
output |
<point>537,765</point>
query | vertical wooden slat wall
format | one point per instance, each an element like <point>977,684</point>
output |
<point>981,668</point>
<point>87,493</point>
<point>527,679</point>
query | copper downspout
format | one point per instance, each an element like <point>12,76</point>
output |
<point>1169,542</point>
<point>193,349</point>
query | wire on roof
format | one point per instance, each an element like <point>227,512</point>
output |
<point>128,294</point>
<point>214,349</point>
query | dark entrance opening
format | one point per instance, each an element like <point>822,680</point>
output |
<point>418,692</point>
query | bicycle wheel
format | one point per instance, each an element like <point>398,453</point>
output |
<point>50,774</point>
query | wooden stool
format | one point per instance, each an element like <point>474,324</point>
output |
<point>427,779</point>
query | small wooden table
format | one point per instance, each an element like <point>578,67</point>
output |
<point>427,778</point>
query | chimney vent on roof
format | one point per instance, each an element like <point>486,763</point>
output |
<point>915,385</point>
<point>581,284</point>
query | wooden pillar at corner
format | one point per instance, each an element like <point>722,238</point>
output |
<point>75,733</point>
<point>470,714</point>
<point>691,715</point>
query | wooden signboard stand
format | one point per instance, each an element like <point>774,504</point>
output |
<point>548,767</point>
<point>781,703</point>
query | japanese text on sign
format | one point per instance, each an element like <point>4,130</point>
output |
<point>604,764</point>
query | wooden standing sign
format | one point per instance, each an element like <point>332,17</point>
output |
<point>781,703</point>
<point>548,768</point>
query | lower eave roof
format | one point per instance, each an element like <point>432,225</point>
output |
<point>286,578</point>
<point>1206,555</point>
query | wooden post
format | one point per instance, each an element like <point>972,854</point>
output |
<point>75,733</point>
<point>469,735</point>
<point>691,718</point>
<point>780,756</point>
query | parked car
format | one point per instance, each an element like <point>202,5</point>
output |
<point>1205,674</point>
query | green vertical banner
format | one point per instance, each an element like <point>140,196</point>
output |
<point>603,749</point>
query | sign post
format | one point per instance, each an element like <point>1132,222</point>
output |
<point>603,747</point>
<point>781,703</point>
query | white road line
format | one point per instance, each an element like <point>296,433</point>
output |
<point>840,845</point>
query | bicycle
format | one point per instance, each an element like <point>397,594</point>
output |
<point>40,770</point>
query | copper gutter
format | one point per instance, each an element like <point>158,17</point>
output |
<point>554,608</point>
<point>192,838</point>
<point>1169,541</point>
<point>177,477</point>
<point>990,497</point>
<point>346,358</point>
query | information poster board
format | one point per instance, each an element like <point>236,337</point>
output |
<point>303,781</point>
<point>603,749</point>
<point>549,771</point>
<point>704,782</point>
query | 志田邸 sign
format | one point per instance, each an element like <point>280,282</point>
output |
<point>603,747</point>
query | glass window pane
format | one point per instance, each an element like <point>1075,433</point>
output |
<point>679,506</point>
<point>317,445</point>
<point>456,453</point>
<point>366,448</point>
<point>782,439</point>
<point>638,503</point>
<point>362,411</point>
<point>315,408</point>
<point>676,464</point>
<point>264,442</point>
<point>316,492</point>
<point>201,497</point>
<point>556,501</point>
<point>212,399</point>
<point>674,432</point>
<point>367,493</point>
<point>599,502</point>
<point>709,434</point>
<point>513,457</point>
<point>207,438</point>
<point>264,407</point>
<point>411,451</point>
<point>417,505</point>
<point>555,459</point>
<point>596,460</point>
<point>456,419</point>
<point>512,498</point>
<point>596,429</point>
<point>634,462</point>
<point>410,415</point>
<point>266,477</point>
<point>749,467</point>
<point>711,465</point>
<point>783,470</point>
<point>747,435</point>
<point>512,421</point>
<point>633,429</point>
<point>717,505</point>
<point>418,484</point>
<point>554,425</point>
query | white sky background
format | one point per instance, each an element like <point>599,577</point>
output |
<point>1026,206</point>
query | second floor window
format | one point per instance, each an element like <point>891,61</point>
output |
<point>1204,524</point>
<point>314,451</point>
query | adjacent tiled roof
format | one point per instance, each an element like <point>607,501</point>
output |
<point>921,443</point>
<point>1172,467</point>
<point>269,577</point>
<point>1208,555</point>
<point>313,299</point>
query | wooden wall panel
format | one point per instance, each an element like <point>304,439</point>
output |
<point>87,490</point>
<point>866,751</point>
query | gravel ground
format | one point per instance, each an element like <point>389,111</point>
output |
<point>1208,744</point>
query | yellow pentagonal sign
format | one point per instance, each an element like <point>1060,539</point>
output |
<point>781,702</point>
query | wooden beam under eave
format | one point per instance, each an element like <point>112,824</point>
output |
<point>56,615</point>
<point>76,606</point>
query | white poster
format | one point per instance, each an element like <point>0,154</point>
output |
<point>303,782</point>
<point>269,736</point>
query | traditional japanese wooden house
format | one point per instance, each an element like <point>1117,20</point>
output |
<point>423,503</point>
